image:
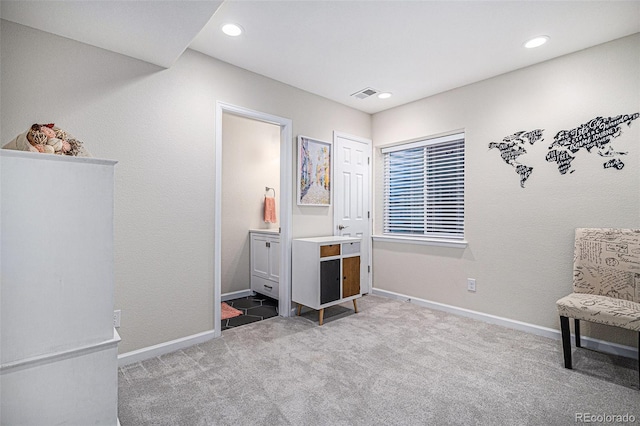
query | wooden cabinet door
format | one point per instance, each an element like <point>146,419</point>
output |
<point>351,276</point>
<point>329,281</point>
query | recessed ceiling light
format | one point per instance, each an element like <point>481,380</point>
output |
<point>536,42</point>
<point>232,30</point>
<point>384,95</point>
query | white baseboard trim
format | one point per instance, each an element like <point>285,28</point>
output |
<point>236,295</point>
<point>587,342</point>
<point>164,348</point>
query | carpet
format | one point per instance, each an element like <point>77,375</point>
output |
<point>393,363</point>
<point>229,311</point>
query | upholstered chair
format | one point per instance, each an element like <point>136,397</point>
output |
<point>606,283</point>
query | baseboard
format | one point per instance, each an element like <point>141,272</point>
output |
<point>174,345</point>
<point>164,348</point>
<point>587,342</point>
<point>236,295</point>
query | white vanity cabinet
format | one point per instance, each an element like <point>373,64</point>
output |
<point>265,262</point>
<point>326,271</point>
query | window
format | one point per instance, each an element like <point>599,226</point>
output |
<point>424,188</point>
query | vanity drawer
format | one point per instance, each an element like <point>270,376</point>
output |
<point>264,286</point>
<point>351,248</point>
<point>330,250</point>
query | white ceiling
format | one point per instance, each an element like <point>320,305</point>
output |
<point>153,31</point>
<point>335,48</point>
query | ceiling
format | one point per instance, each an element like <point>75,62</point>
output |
<point>413,49</point>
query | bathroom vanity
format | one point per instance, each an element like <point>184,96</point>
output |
<point>265,261</point>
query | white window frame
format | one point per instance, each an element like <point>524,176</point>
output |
<point>440,236</point>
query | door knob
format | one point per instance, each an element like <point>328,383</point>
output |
<point>341,227</point>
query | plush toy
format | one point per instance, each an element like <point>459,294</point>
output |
<point>47,138</point>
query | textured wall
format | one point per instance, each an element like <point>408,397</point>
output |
<point>159,125</point>
<point>520,239</point>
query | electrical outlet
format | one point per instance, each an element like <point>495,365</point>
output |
<point>116,318</point>
<point>471,284</point>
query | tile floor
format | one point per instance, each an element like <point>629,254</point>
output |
<point>254,308</point>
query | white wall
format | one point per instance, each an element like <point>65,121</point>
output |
<point>520,239</point>
<point>250,161</point>
<point>159,124</point>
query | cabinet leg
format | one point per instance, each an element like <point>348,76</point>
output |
<point>299,309</point>
<point>321,316</point>
<point>355,306</point>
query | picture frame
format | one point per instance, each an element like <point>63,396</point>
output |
<point>315,168</point>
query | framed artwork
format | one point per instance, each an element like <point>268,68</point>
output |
<point>314,172</point>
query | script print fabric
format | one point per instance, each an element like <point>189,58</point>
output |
<point>606,278</point>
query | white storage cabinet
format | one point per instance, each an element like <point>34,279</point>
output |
<point>326,271</point>
<point>59,347</point>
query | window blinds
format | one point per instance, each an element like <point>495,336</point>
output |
<point>424,188</point>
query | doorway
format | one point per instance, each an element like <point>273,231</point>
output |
<point>284,206</point>
<point>250,173</point>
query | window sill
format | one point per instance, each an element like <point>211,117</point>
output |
<point>421,241</point>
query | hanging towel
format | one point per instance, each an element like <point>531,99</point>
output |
<point>269,210</point>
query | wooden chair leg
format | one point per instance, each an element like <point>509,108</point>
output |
<point>299,309</point>
<point>355,306</point>
<point>576,329</point>
<point>566,341</point>
<point>321,316</point>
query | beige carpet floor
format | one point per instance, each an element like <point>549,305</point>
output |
<point>393,363</point>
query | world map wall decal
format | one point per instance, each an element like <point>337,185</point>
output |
<point>594,135</point>
<point>513,146</point>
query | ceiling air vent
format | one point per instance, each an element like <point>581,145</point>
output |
<point>364,93</point>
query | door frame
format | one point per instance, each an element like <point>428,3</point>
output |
<point>369,242</point>
<point>286,209</point>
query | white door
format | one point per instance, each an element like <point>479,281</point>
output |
<point>352,186</point>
